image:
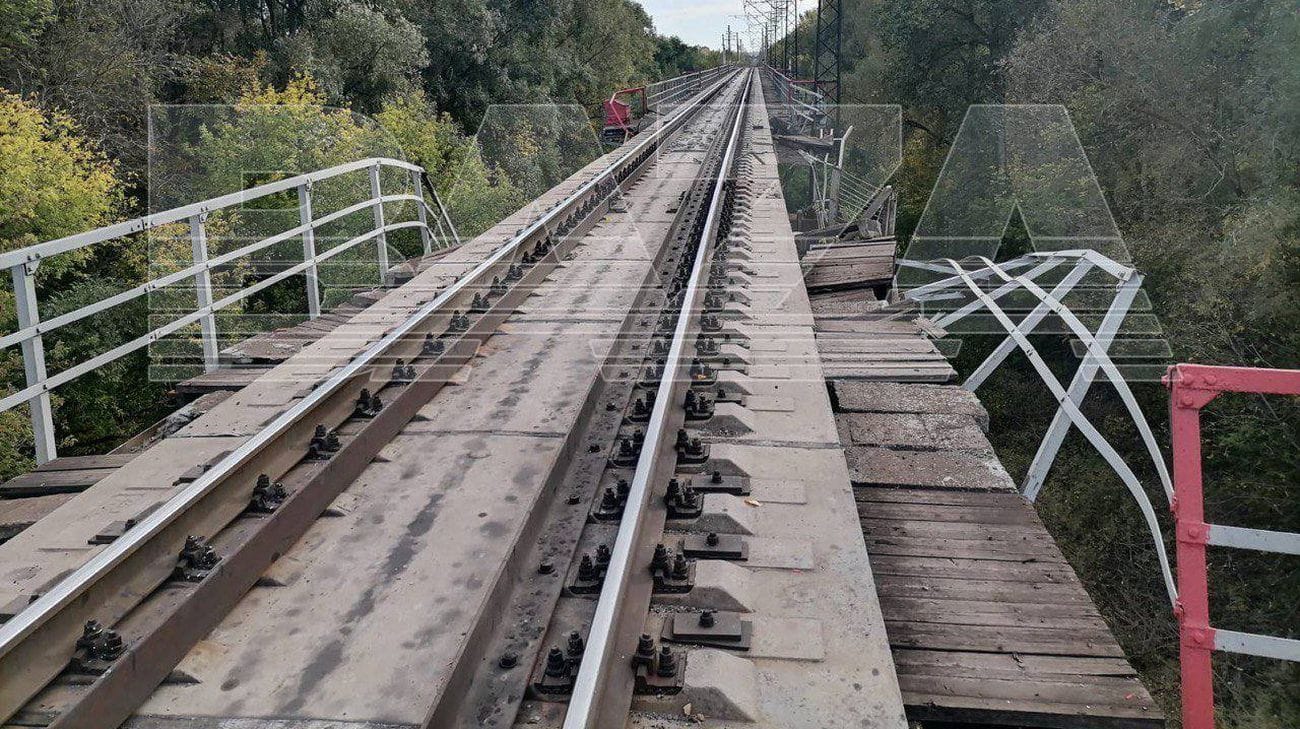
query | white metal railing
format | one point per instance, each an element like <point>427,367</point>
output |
<point>23,263</point>
<point>841,196</point>
<point>663,95</point>
<point>799,104</point>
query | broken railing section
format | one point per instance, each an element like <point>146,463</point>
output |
<point>799,102</point>
<point>1191,388</point>
<point>432,222</point>
<point>843,198</point>
<point>971,284</point>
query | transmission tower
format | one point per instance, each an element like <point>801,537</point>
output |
<point>826,49</point>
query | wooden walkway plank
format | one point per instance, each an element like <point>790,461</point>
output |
<point>988,623</point>
<point>87,463</point>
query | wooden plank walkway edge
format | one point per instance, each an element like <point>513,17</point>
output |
<point>988,624</point>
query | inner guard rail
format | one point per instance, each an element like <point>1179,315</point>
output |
<point>433,222</point>
<point>1191,388</point>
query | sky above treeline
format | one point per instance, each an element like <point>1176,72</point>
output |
<point>698,22</point>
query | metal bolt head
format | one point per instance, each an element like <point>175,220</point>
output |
<point>556,666</point>
<point>546,568</point>
<point>508,660</point>
<point>681,567</point>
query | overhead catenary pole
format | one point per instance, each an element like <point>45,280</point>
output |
<point>794,53</point>
<point>826,48</point>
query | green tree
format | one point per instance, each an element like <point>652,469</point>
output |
<point>55,184</point>
<point>361,57</point>
<point>20,20</point>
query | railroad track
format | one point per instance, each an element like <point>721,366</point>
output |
<point>581,472</point>
<point>94,645</point>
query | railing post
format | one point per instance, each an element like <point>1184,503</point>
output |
<point>1195,637</point>
<point>203,290</point>
<point>421,213</point>
<point>24,278</point>
<point>381,241</point>
<point>305,217</point>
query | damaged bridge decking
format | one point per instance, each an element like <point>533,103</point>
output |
<point>985,621</point>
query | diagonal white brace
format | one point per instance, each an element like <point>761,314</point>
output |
<point>1027,325</point>
<point>1097,355</point>
<point>1079,386</point>
<point>1094,436</point>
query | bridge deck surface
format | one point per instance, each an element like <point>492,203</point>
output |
<point>987,621</point>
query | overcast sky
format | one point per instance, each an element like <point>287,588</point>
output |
<point>698,22</point>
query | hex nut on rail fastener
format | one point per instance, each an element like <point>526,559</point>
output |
<point>576,647</point>
<point>324,443</point>
<point>459,322</point>
<point>96,649</point>
<point>667,667</point>
<point>368,405</point>
<point>403,373</point>
<point>267,495</point>
<point>196,561</point>
<point>645,652</point>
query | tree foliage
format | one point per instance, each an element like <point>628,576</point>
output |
<point>55,183</point>
<point>1189,113</point>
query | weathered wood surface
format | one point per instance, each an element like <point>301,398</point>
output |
<point>67,475</point>
<point>18,514</point>
<point>988,623</point>
<point>849,265</point>
<point>869,348</point>
<point>226,378</point>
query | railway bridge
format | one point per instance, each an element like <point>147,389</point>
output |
<point>639,455</point>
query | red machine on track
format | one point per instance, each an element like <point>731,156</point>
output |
<point>622,121</point>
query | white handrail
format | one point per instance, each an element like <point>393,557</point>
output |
<point>22,264</point>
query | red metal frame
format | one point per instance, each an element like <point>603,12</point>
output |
<point>618,114</point>
<point>1191,388</point>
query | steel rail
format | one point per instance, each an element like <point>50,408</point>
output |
<point>78,582</point>
<point>584,703</point>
